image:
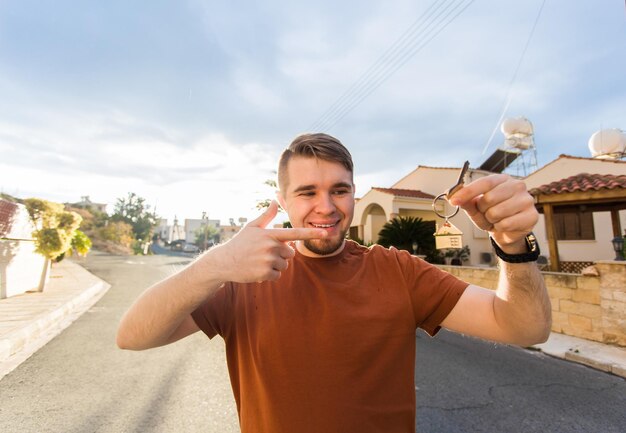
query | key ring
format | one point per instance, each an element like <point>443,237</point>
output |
<point>443,194</point>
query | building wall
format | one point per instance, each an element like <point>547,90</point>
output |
<point>191,225</point>
<point>429,179</point>
<point>20,267</point>
<point>583,250</point>
<point>373,226</point>
<point>590,307</point>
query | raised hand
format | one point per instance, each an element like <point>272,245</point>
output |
<point>257,253</point>
<point>500,205</point>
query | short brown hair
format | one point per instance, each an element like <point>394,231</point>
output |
<point>314,145</point>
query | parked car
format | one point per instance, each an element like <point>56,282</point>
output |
<point>177,245</point>
<point>190,248</point>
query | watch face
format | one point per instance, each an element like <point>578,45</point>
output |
<point>531,243</point>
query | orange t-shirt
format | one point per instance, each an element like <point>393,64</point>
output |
<point>330,346</point>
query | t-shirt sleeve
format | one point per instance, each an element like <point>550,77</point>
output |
<point>433,292</point>
<point>213,316</point>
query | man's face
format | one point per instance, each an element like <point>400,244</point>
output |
<point>319,194</point>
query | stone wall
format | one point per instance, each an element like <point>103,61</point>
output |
<point>585,306</point>
<point>613,301</point>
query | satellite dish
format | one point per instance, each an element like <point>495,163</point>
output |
<point>516,126</point>
<point>608,144</point>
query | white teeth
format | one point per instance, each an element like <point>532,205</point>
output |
<point>323,226</point>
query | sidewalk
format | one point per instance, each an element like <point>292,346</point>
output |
<point>31,320</point>
<point>611,359</point>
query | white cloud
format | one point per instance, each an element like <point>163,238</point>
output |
<point>189,104</point>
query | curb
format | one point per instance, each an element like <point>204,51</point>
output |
<point>603,357</point>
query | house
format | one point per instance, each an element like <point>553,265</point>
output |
<point>169,232</point>
<point>86,203</point>
<point>585,200</point>
<point>20,266</point>
<point>192,226</point>
<point>413,195</point>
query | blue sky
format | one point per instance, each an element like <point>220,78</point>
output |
<point>189,103</point>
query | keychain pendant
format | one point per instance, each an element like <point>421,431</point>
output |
<point>448,236</point>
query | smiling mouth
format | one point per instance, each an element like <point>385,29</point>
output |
<point>323,226</point>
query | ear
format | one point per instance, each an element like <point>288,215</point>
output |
<point>281,200</point>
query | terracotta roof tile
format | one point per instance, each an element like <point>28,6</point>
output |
<point>582,182</point>
<point>405,192</point>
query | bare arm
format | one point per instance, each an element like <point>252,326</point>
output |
<point>518,312</point>
<point>162,314</point>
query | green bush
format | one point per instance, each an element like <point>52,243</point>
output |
<point>55,227</point>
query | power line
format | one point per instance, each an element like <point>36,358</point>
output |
<point>363,90</point>
<point>434,20</point>
<point>375,67</point>
<point>508,97</point>
<point>398,64</point>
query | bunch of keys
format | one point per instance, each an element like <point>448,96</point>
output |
<point>449,236</point>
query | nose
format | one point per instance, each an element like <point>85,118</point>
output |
<point>325,204</point>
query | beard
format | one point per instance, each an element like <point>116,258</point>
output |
<point>324,247</point>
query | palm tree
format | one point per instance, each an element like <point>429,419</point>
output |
<point>402,232</point>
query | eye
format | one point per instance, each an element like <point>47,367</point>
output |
<point>307,194</point>
<point>341,192</point>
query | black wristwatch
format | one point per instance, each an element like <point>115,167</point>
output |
<point>530,256</point>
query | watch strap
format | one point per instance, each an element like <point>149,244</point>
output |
<point>530,256</point>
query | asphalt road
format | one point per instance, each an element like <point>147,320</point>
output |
<point>80,382</point>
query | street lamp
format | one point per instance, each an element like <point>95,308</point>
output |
<point>618,246</point>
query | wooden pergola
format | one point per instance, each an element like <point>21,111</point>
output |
<point>594,192</point>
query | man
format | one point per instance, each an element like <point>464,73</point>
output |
<point>320,331</point>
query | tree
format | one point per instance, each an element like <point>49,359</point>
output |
<point>80,245</point>
<point>402,232</point>
<point>118,232</point>
<point>55,227</point>
<point>206,232</point>
<point>55,230</point>
<point>265,203</point>
<point>133,210</point>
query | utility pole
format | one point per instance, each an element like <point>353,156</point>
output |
<point>205,218</point>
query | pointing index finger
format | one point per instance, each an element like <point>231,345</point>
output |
<point>297,234</point>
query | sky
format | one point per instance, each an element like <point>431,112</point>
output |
<point>189,103</point>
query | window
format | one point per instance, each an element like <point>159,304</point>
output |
<point>574,225</point>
